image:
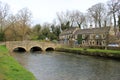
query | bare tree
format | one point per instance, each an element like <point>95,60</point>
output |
<point>24,17</point>
<point>89,20</point>
<point>14,31</point>
<point>63,20</point>
<point>4,11</point>
<point>71,18</point>
<point>114,7</point>
<point>119,21</point>
<point>79,18</point>
<point>11,32</point>
<point>118,13</point>
<point>96,12</point>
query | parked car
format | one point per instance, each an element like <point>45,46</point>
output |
<point>113,45</point>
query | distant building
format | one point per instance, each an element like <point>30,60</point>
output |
<point>68,35</point>
<point>93,36</point>
<point>90,37</point>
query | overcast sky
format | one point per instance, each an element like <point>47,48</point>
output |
<point>45,10</point>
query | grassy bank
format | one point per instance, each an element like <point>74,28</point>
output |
<point>93,52</point>
<point>10,69</point>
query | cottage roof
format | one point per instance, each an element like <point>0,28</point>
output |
<point>93,30</point>
<point>68,31</point>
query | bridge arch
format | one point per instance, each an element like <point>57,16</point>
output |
<point>49,49</point>
<point>19,49</point>
<point>35,48</point>
<point>28,45</point>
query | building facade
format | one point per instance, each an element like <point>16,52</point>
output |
<point>89,37</point>
<point>93,36</point>
<point>67,35</point>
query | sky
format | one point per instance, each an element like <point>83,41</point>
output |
<point>45,10</point>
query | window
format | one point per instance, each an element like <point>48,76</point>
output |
<point>91,36</point>
<point>103,36</point>
<point>97,36</point>
<point>83,36</point>
<point>90,43</point>
<point>83,42</point>
<point>103,42</point>
<point>93,42</point>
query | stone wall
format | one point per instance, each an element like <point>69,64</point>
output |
<point>27,45</point>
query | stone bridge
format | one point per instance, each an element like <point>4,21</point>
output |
<point>30,45</point>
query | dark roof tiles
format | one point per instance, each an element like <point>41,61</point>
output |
<point>85,31</point>
<point>68,31</point>
<point>93,30</point>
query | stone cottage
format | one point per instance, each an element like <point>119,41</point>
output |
<point>67,35</point>
<point>89,37</point>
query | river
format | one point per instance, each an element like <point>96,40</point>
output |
<point>67,66</point>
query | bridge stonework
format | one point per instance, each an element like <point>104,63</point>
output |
<point>27,45</point>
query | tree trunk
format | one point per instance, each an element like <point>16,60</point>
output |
<point>79,25</point>
<point>119,22</point>
<point>105,22</point>
<point>95,24</point>
<point>114,23</point>
<point>99,23</point>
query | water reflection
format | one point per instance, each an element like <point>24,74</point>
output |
<point>64,66</point>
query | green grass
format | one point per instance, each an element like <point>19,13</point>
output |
<point>3,51</point>
<point>96,50</point>
<point>106,51</point>
<point>10,69</point>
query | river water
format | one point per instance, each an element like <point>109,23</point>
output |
<point>67,66</point>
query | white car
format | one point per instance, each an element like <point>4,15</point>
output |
<point>113,45</point>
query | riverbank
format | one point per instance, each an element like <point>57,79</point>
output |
<point>10,69</point>
<point>92,52</point>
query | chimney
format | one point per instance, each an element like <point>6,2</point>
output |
<point>91,26</point>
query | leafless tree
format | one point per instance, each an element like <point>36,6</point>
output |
<point>119,20</point>
<point>63,20</point>
<point>71,18</point>
<point>4,11</point>
<point>96,12</point>
<point>79,18</point>
<point>14,31</point>
<point>24,17</point>
<point>114,7</point>
<point>11,32</point>
<point>61,17</point>
<point>18,26</point>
